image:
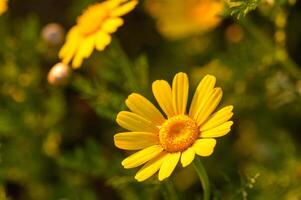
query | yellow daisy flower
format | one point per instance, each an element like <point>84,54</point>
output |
<point>163,141</point>
<point>178,19</point>
<point>3,6</point>
<point>93,29</point>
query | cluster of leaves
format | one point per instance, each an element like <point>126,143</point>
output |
<point>240,8</point>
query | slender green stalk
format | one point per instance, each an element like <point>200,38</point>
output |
<point>201,171</point>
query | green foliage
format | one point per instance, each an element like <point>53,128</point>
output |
<point>112,80</point>
<point>240,8</point>
<point>57,142</point>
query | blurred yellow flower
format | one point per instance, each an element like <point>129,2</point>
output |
<point>177,19</point>
<point>163,141</point>
<point>3,6</point>
<point>93,29</point>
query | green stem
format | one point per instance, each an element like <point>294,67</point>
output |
<point>201,171</point>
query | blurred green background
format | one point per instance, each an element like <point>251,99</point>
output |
<point>57,141</point>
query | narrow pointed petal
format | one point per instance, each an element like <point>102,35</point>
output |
<point>180,88</point>
<point>141,106</point>
<point>77,60</point>
<point>135,140</point>
<point>201,94</point>
<point>169,164</point>
<point>68,51</point>
<point>150,168</point>
<point>73,40</point>
<point>218,131</point>
<point>134,122</point>
<point>111,4</point>
<point>102,40</point>
<point>142,156</point>
<point>209,106</point>
<point>124,9</point>
<point>204,147</point>
<point>87,47</point>
<point>85,50</point>
<point>218,118</point>
<point>163,95</point>
<point>111,25</point>
<point>187,156</point>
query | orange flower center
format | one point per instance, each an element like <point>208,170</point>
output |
<point>178,133</point>
<point>92,19</point>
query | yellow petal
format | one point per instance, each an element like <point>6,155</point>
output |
<point>218,131</point>
<point>70,47</point>
<point>72,35</point>
<point>68,51</point>
<point>3,6</point>
<point>134,122</point>
<point>112,24</point>
<point>64,49</point>
<point>102,40</point>
<point>111,4</point>
<point>218,118</point>
<point>204,147</point>
<point>124,9</point>
<point>209,106</point>
<point>77,61</point>
<point>187,156</point>
<point>84,51</point>
<point>142,156</point>
<point>180,87</point>
<point>135,140</point>
<point>168,165</point>
<point>141,106</point>
<point>163,95</point>
<point>150,168</point>
<point>201,94</point>
<point>87,46</point>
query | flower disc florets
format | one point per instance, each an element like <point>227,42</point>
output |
<point>178,133</point>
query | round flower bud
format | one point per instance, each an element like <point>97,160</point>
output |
<point>53,34</point>
<point>59,74</point>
